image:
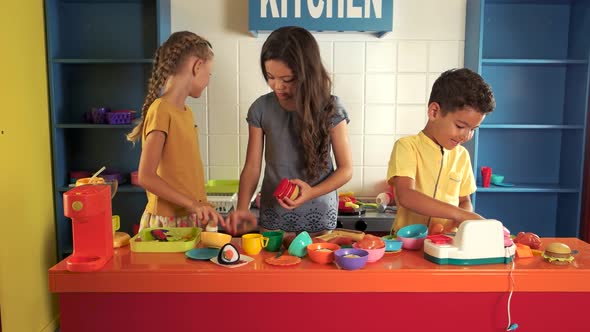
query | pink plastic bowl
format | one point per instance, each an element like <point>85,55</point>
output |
<point>411,243</point>
<point>374,254</point>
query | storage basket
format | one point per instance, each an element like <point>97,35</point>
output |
<point>223,187</point>
<point>223,203</point>
<point>119,117</point>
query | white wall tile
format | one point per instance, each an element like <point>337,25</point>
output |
<point>199,116</point>
<point>224,173</point>
<point>429,19</point>
<point>374,180</point>
<point>356,115</point>
<point>349,57</point>
<point>381,57</point>
<point>223,118</point>
<point>411,88</point>
<point>384,83</point>
<point>249,56</point>
<point>411,56</point>
<point>326,49</point>
<point>443,55</point>
<point>242,123</point>
<point>380,88</point>
<point>223,150</point>
<point>377,149</point>
<point>224,75</point>
<point>380,119</point>
<point>356,149</point>
<point>410,119</point>
<point>204,147</point>
<point>252,86</point>
<point>356,183</point>
<point>243,149</point>
<point>431,79</point>
<point>349,87</point>
<point>461,54</point>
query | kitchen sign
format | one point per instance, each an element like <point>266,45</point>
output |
<point>322,15</point>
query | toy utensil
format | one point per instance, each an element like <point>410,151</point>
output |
<point>97,173</point>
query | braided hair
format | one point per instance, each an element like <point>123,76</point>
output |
<point>167,60</point>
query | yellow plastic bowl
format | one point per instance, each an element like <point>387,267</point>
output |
<point>214,239</point>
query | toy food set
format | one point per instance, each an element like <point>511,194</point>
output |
<point>349,205</point>
<point>89,207</point>
<point>532,240</point>
<point>342,237</point>
<point>287,189</point>
<point>172,239</point>
<point>558,253</point>
<point>476,242</point>
<point>229,256</point>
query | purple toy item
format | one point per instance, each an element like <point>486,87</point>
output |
<point>159,234</point>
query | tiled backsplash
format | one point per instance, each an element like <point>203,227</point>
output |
<point>383,83</point>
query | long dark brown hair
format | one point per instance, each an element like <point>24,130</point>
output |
<point>166,62</point>
<point>298,49</point>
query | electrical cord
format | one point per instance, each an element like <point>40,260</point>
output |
<point>511,326</point>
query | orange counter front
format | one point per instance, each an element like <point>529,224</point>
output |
<point>402,292</point>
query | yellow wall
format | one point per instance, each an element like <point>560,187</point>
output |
<point>27,245</point>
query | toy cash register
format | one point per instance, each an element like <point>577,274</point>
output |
<point>476,242</point>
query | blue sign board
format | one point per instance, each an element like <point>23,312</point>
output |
<point>322,15</point>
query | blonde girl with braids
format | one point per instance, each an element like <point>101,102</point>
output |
<point>170,167</point>
<point>296,126</point>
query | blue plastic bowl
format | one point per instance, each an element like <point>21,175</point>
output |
<point>391,243</point>
<point>413,231</point>
<point>351,263</point>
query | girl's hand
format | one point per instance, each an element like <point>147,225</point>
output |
<point>206,214</point>
<point>238,218</point>
<point>305,194</point>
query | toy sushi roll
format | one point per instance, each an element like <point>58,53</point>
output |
<point>228,254</point>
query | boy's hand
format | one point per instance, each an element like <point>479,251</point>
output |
<point>305,194</point>
<point>467,215</point>
<point>238,218</point>
<point>206,214</point>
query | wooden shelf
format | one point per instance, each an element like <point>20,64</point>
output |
<point>528,188</point>
<point>124,188</point>
<point>490,61</point>
<point>530,126</point>
<point>92,126</point>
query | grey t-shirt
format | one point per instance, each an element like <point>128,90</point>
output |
<point>284,159</point>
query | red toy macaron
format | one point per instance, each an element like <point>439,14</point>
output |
<point>286,188</point>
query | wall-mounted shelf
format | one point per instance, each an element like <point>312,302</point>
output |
<point>103,61</point>
<point>100,53</point>
<point>533,62</point>
<point>535,56</point>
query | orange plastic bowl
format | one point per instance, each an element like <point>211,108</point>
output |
<point>322,252</point>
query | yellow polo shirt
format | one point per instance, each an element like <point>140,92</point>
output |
<point>443,174</point>
<point>181,165</point>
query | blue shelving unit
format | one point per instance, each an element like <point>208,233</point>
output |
<point>535,55</point>
<point>99,53</point>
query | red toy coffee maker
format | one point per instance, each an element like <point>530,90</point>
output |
<point>89,207</point>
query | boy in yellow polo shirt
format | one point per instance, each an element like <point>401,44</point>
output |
<point>431,172</point>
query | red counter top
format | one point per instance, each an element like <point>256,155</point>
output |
<point>407,271</point>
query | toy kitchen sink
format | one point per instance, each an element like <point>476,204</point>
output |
<point>476,242</point>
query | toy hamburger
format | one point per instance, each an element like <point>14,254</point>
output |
<point>558,253</point>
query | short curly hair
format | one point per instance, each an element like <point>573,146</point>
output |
<point>457,88</point>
